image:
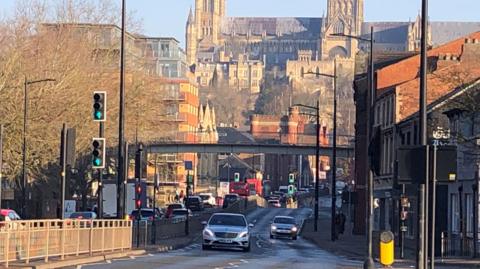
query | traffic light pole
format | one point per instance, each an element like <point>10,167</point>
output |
<point>187,228</point>
<point>100,179</point>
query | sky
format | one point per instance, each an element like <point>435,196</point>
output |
<point>168,17</point>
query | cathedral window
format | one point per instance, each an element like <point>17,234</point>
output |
<point>339,27</point>
<point>302,72</point>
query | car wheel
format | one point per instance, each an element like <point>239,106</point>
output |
<point>247,249</point>
<point>294,237</point>
<point>271,236</point>
<point>205,247</point>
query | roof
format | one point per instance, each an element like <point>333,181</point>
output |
<point>230,135</point>
<point>454,65</point>
<point>308,28</point>
<point>408,69</point>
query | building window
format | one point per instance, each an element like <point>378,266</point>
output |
<point>255,73</point>
<point>469,213</point>
<point>454,213</point>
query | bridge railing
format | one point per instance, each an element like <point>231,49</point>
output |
<point>245,137</point>
<point>24,241</point>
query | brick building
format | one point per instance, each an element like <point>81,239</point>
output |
<point>450,66</point>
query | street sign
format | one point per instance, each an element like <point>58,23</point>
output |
<point>322,175</point>
<point>410,159</point>
<point>188,165</point>
<point>403,229</point>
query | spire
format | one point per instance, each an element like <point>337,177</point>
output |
<point>323,22</point>
<point>190,16</point>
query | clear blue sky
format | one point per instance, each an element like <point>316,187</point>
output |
<point>168,17</point>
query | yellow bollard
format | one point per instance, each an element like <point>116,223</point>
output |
<point>387,252</point>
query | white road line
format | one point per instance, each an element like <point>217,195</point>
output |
<point>244,261</point>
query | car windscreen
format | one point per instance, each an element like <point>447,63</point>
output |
<point>145,213</point>
<point>273,201</point>
<point>284,220</point>
<point>192,200</point>
<point>230,197</point>
<point>227,220</point>
<point>81,215</point>
<point>205,197</point>
<point>179,212</point>
<point>175,206</point>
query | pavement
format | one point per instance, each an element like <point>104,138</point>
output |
<point>354,246</point>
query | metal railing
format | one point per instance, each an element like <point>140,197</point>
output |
<point>44,239</point>
<point>455,245</point>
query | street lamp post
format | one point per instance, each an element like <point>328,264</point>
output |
<point>317,159</point>
<point>24,146</point>
<point>368,263</point>
<point>121,211</point>
<point>334,153</point>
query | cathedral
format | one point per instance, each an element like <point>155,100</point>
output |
<point>246,51</point>
<point>212,38</point>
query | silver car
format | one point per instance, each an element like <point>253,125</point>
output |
<point>284,226</point>
<point>226,230</point>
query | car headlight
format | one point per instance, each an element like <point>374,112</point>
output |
<point>274,227</point>
<point>207,232</point>
<point>294,229</point>
<point>243,234</point>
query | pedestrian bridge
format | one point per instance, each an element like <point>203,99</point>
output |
<point>254,148</point>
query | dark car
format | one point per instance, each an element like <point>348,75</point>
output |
<point>229,199</point>
<point>146,214</point>
<point>194,203</point>
<point>83,215</point>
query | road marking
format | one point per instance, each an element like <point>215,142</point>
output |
<point>244,261</point>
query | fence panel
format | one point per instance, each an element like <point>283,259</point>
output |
<point>43,239</point>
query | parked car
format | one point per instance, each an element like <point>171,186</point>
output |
<point>284,226</point>
<point>146,214</point>
<point>180,214</point>
<point>230,199</point>
<point>194,203</point>
<point>7,215</point>
<point>274,203</point>
<point>208,199</point>
<point>226,231</point>
<point>171,207</point>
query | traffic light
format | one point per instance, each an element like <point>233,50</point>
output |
<point>99,106</point>
<point>138,192</point>
<point>236,177</point>
<point>98,153</point>
<point>291,178</point>
<point>291,189</point>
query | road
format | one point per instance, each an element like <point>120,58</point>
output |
<point>265,253</point>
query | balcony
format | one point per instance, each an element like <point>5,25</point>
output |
<point>174,97</point>
<point>177,117</point>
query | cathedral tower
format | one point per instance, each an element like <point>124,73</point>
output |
<point>343,17</point>
<point>204,26</point>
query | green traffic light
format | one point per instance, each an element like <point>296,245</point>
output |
<point>98,115</point>
<point>97,161</point>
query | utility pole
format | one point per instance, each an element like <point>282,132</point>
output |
<point>63,163</point>
<point>368,263</point>
<point>423,188</point>
<point>1,162</point>
<point>317,166</point>
<point>121,125</point>
<point>334,155</point>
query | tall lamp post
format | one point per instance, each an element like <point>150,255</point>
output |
<point>368,263</point>
<point>24,146</point>
<point>317,158</point>
<point>121,126</point>
<point>334,153</point>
